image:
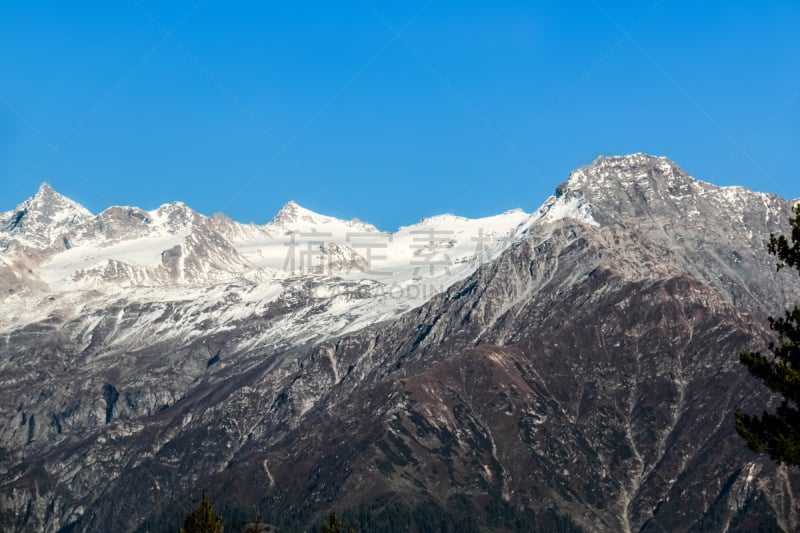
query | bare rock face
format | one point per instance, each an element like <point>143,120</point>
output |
<point>716,234</point>
<point>585,379</point>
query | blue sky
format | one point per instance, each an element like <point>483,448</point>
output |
<point>387,111</point>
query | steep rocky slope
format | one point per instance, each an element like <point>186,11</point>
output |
<point>582,375</point>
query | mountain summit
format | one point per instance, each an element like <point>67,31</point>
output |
<point>294,216</point>
<point>648,187</point>
<point>43,217</point>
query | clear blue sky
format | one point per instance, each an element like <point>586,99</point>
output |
<point>474,108</point>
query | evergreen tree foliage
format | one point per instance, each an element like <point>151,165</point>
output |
<point>202,519</point>
<point>335,524</point>
<point>778,433</point>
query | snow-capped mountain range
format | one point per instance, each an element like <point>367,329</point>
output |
<point>578,362</point>
<point>54,251</point>
<point>62,257</point>
<point>58,254</point>
<point>174,245</point>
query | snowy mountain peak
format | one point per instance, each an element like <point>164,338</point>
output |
<point>293,216</point>
<point>176,217</point>
<point>442,219</point>
<point>293,212</point>
<point>42,218</point>
<point>174,207</point>
<point>48,200</point>
<point>637,185</point>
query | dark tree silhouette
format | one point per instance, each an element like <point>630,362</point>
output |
<point>778,433</point>
<point>202,519</point>
<point>335,524</point>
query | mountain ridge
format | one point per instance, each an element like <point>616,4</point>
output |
<point>578,372</point>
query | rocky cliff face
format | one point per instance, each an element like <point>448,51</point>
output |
<point>582,377</point>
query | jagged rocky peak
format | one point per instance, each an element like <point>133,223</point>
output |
<point>124,214</point>
<point>176,216</point>
<point>43,216</point>
<point>119,222</point>
<point>610,173</point>
<point>598,193</point>
<point>645,186</point>
<point>175,207</point>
